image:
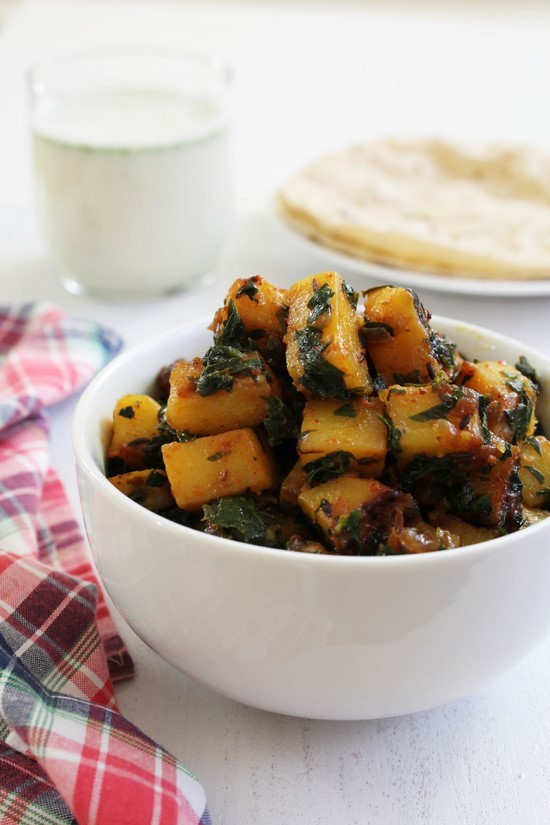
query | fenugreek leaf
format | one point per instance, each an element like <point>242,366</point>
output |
<point>319,303</point>
<point>249,289</point>
<point>320,377</point>
<point>327,467</point>
<point>527,369</point>
<point>232,330</point>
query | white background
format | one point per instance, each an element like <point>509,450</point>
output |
<point>309,77</point>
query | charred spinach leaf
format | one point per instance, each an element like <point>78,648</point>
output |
<point>327,467</point>
<point>449,400</point>
<point>249,289</point>
<point>232,330</point>
<point>319,303</point>
<point>281,423</point>
<point>527,369</point>
<point>394,434</point>
<point>320,377</point>
<point>222,363</point>
<point>245,519</point>
<point>520,417</point>
<point>443,350</point>
<point>373,331</point>
<point>346,411</point>
<point>350,294</point>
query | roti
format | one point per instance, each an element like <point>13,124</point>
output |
<point>429,205</point>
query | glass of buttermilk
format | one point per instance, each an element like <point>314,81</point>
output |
<point>132,168</point>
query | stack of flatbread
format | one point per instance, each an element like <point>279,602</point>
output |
<point>429,205</point>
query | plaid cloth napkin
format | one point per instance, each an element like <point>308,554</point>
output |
<point>66,753</point>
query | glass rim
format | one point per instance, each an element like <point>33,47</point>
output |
<point>210,60</point>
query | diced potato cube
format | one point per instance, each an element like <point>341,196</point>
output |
<point>420,537</point>
<point>535,472</point>
<point>432,420</point>
<point>510,397</point>
<point>497,493</point>
<point>467,533</point>
<point>356,515</point>
<point>261,306</point>
<point>216,466</point>
<point>399,338</point>
<point>245,405</point>
<point>356,427</point>
<point>134,416</point>
<point>290,489</point>
<point>532,515</point>
<point>324,355</point>
<point>149,488</point>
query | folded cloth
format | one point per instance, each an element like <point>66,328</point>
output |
<point>66,753</point>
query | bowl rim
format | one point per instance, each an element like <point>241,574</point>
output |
<point>86,462</point>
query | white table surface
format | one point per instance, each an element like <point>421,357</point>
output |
<point>311,76</point>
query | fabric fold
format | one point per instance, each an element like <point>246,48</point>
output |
<point>66,754</point>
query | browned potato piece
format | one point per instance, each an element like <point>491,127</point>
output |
<point>398,335</point>
<point>510,396</point>
<point>149,488</point>
<point>421,537</point>
<point>356,427</point>
<point>290,489</point>
<point>261,306</point>
<point>356,515</point>
<point>218,465</point>
<point>432,420</point>
<point>497,492</point>
<point>531,515</point>
<point>535,472</point>
<point>134,417</point>
<point>244,406</point>
<point>465,532</point>
<point>324,355</point>
<point>300,544</point>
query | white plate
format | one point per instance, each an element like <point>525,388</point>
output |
<point>382,273</point>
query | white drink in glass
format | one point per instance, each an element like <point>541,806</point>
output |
<point>133,186</point>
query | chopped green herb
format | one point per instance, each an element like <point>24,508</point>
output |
<point>537,473</point>
<point>127,412</point>
<point>346,411</point>
<point>349,526</point>
<point>482,403</point>
<point>373,331</point>
<point>232,331</point>
<point>534,443</point>
<point>249,289</point>
<point>442,468</point>
<point>350,294</point>
<point>320,377</point>
<point>222,364</point>
<point>449,400</point>
<point>443,350</point>
<point>156,479</point>
<point>319,303</point>
<point>520,417</point>
<point>412,377</point>
<point>280,423</point>
<point>526,369</point>
<point>514,381</point>
<point>245,519</point>
<point>394,435</point>
<point>218,455</point>
<point>327,467</point>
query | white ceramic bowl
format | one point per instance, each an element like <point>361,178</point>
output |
<point>317,636</point>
